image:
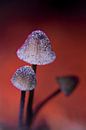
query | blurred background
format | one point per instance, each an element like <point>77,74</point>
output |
<point>64,21</point>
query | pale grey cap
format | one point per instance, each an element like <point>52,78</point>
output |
<point>24,78</point>
<point>37,49</point>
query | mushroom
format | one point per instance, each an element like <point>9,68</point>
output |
<point>67,84</point>
<point>23,79</point>
<point>36,49</point>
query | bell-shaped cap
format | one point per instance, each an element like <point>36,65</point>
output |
<point>24,78</point>
<point>37,49</point>
<point>67,84</point>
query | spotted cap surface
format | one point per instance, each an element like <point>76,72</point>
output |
<point>36,49</point>
<point>24,78</point>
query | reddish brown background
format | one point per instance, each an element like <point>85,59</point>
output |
<point>66,27</point>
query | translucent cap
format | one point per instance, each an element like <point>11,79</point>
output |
<point>24,78</point>
<point>67,84</point>
<point>37,49</point>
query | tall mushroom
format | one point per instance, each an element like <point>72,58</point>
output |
<point>36,50</point>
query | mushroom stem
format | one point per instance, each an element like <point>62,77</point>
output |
<point>29,112</point>
<point>21,112</point>
<point>34,68</point>
<point>45,101</point>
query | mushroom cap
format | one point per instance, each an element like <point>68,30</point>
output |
<point>37,49</point>
<point>67,84</point>
<point>24,78</point>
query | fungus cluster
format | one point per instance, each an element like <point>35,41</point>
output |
<point>36,50</point>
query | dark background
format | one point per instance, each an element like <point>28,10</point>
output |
<point>42,8</point>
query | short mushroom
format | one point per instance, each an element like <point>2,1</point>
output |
<point>23,79</point>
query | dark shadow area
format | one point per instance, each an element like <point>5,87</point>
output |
<point>42,126</point>
<point>6,127</point>
<point>41,8</point>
